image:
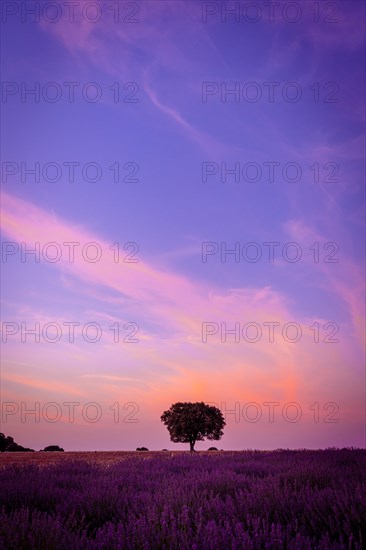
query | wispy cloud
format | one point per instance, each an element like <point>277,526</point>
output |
<point>179,306</point>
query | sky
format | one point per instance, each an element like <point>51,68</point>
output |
<point>182,219</point>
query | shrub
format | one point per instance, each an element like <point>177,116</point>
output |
<point>53,448</point>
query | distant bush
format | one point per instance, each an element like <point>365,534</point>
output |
<point>213,449</point>
<point>164,449</point>
<point>53,448</point>
<point>142,449</point>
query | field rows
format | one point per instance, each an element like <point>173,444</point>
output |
<point>293,500</point>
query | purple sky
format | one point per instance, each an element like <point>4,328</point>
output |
<point>174,142</point>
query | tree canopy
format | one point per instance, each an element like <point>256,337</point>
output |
<point>53,448</point>
<point>191,422</point>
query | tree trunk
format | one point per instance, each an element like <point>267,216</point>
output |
<point>191,446</point>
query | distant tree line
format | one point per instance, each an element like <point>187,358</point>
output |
<point>186,423</point>
<point>8,444</point>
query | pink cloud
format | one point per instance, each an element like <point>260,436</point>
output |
<point>172,362</point>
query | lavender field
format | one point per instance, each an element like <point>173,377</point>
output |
<point>240,500</point>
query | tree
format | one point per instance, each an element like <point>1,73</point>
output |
<point>53,448</point>
<point>191,422</point>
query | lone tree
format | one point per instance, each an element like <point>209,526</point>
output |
<point>191,422</point>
